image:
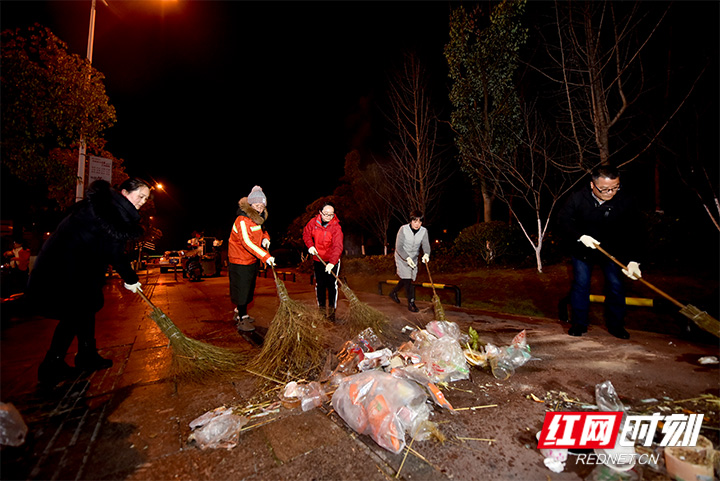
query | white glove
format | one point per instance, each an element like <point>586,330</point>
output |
<point>411,263</point>
<point>426,258</point>
<point>329,267</point>
<point>133,287</point>
<point>312,251</point>
<point>271,261</point>
<point>265,243</point>
<point>588,241</point>
<point>633,271</point>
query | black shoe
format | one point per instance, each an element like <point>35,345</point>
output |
<point>577,330</point>
<point>619,332</point>
<point>245,325</point>
<point>412,307</point>
<point>91,361</point>
<point>54,369</point>
<point>394,297</point>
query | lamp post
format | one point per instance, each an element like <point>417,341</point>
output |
<point>80,188</point>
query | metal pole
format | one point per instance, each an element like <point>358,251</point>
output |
<point>80,188</point>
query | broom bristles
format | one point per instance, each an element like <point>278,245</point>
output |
<point>438,308</point>
<point>196,359</point>
<point>361,316</point>
<point>702,319</point>
<point>295,341</point>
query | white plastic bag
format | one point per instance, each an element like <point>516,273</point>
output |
<point>12,427</point>
<point>382,406</point>
<point>219,428</point>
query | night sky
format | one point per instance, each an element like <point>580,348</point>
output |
<point>214,97</point>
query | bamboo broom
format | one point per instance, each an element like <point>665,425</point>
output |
<point>701,318</point>
<point>437,305</point>
<point>295,340</point>
<point>191,358</point>
<point>360,315</point>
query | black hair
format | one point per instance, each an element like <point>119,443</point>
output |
<point>604,171</point>
<point>132,184</point>
<point>416,215</point>
<point>327,204</point>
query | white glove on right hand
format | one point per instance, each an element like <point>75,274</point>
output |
<point>133,287</point>
<point>633,271</point>
<point>426,258</point>
<point>312,251</point>
<point>411,263</point>
<point>265,243</point>
<point>271,261</point>
<point>588,241</point>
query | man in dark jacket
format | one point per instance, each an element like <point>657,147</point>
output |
<point>600,215</point>
<point>67,280</point>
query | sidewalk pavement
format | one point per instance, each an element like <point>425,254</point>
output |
<point>131,421</point>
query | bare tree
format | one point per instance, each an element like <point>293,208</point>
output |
<point>415,170</point>
<point>694,174</point>
<point>597,57</point>
<point>368,207</point>
<point>534,179</point>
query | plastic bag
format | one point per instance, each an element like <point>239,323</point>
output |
<point>12,427</point>
<point>312,396</point>
<point>353,351</point>
<point>441,329</point>
<point>382,406</point>
<point>375,359</point>
<point>554,458</point>
<point>219,428</point>
<point>607,399</point>
<point>505,360</point>
<point>443,358</point>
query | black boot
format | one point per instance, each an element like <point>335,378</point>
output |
<point>393,295</point>
<point>54,369</point>
<point>411,306</point>
<point>88,358</point>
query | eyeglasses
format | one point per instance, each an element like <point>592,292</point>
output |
<point>325,214</point>
<point>607,191</point>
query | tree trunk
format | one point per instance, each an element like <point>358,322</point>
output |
<point>538,247</point>
<point>487,201</point>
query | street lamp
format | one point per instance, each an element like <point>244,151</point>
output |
<point>80,188</point>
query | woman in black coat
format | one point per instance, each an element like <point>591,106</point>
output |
<point>66,282</point>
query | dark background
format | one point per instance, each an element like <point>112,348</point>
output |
<point>214,97</point>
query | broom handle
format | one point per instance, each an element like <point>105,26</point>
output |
<point>666,296</point>
<point>331,272</point>
<point>430,277</point>
<point>144,298</point>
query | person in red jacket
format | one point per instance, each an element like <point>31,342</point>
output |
<point>248,243</point>
<point>324,239</point>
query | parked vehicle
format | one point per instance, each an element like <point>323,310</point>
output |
<point>171,259</point>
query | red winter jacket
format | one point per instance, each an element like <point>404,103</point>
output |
<point>327,240</point>
<point>245,243</point>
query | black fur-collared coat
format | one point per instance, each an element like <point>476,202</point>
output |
<point>69,273</point>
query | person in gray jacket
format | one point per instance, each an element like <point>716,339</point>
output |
<point>409,239</point>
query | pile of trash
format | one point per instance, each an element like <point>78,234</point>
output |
<point>384,393</point>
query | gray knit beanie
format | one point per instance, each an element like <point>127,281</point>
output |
<point>257,196</point>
